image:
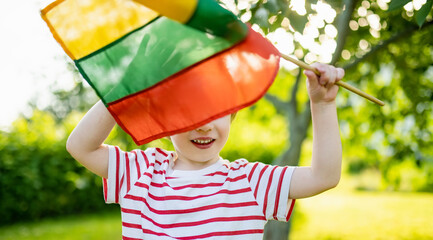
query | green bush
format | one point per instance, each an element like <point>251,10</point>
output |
<point>38,177</point>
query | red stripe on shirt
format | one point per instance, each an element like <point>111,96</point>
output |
<point>252,172</point>
<point>225,233</point>
<point>290,210</point>
<point>207,235</point>
<point>161,172</point>
<point>204,185</point>
<point>239,167</point>
<point>280,182</point>
<point>137,165</point>
<point>121,182</point>
<point>104,181</point>
<point>128,173</point>
<point>131,211</point>
<point>162,152</point>
<point>217,173</point>
<point>131,225</point>
<point>205,221</point>
<point>265,205</point>
<point>129,238</point>
<point>187,210</point>
<point>145,159</point>
<point>142,185</point>
<point>117,175</point>
<point>225,173</point>
<point>258,181</point>
<point>199,209</point>
<point>160,163</point>
<point>186,198</point>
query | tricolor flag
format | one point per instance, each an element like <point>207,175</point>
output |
<point>163,67</point>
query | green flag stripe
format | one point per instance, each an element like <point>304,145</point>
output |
<point>147,56</point>
<point>210,17</point>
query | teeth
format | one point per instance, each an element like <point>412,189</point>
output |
<point>202,141</point>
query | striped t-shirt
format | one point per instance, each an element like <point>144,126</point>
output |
<point>227,200</point>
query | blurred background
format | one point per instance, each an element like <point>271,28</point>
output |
<point>386,191</point>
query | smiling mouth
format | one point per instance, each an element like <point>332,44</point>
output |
<point>203,141</point>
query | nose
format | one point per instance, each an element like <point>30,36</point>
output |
<point>205,128</point>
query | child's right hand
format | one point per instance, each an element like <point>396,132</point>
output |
<point>322,89</point>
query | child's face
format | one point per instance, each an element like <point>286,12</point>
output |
<point>203,144</point>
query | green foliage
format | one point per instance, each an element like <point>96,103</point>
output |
<point>397,4</point>
<point>420,15</point>
<point>385,138</point>
<point>386,55</point>
<point>269,15</point>
<point>38,177</point>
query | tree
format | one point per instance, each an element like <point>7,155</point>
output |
<point>377,46</point>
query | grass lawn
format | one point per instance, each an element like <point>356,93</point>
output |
<point>338,215</point>
<point>105,226</point>
<point>334,215</point>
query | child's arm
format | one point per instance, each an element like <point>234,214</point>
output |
<point>325,170</point>
<point>85,143</point>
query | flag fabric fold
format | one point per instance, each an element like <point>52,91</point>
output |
<point>159,76</point>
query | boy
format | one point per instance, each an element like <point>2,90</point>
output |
<point>192,193</point>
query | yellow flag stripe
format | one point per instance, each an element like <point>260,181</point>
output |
<point>98,23</point>
<point>53,31</point>
<point>178,10</point>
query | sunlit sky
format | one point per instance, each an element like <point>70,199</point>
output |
<point>30,58</point>
<point>31,61</point>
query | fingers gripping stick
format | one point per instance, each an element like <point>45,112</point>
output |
<point>339,83</point>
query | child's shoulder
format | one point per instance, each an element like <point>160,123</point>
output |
<point>149,155</point>
<point>154,151</point>
<point>245,165</point>
<point>239,164</point>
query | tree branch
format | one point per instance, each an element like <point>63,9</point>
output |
<point>280,105</point>
<point>343,28</point>
<point>306,116</point>
<point>293,101</point>
<point>393,38</point>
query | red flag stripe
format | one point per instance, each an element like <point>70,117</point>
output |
<point>215,87</point>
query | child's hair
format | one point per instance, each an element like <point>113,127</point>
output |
<point>232,116</point>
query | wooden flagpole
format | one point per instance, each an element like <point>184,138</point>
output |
<point>339,83</point>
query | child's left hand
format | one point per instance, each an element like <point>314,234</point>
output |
<point>322,89</point>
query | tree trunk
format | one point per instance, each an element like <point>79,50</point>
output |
<point>277,230</point>
<point>298,127</point>
<point>299,122</point>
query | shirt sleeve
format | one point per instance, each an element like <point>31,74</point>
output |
<point>271,186</point>
<point>124,169</point>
